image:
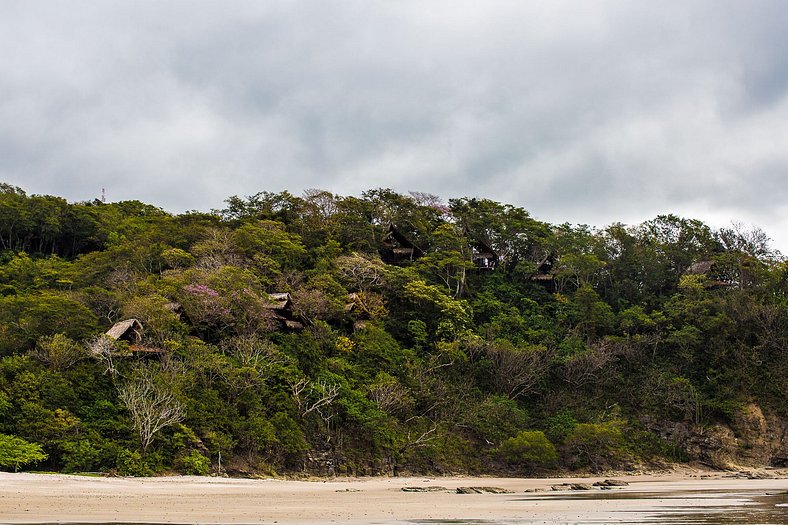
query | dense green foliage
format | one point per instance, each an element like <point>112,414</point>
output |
<point>16,452</point>
<point>581,348</point>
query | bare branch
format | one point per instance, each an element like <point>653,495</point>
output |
<point>103,348</point>
<point>58,352</point>
<point>423,438</point>
<point>588,366</point>
<point>152,405</point>
<point>319,395</point>
<point>517,370</point>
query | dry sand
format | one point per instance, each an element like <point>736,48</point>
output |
<point>50,498</point>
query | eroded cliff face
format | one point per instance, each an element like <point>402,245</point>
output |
<point>762,438</point>
<point>751,439</point>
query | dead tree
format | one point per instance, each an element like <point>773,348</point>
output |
<point>151,404</point>
<point>589,366</point>
<point>517,371</point>
<point>103,348</point>
<point>310,397</point>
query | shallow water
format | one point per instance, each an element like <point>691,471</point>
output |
<point>695,508</point>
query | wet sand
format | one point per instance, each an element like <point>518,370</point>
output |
<point>668,498</point>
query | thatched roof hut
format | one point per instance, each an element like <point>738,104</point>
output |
<point>700,268</point>
<point>129,330</point>
<point>282,306</point>
<point>398,248</point>
<point>482,254</point>
<point>484,257</point>
<point>279,301</point>
<point>708,269</point>
<point>544,269</point>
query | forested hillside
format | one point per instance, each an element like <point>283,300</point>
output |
<point>382,335</point>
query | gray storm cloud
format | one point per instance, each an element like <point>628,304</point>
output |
<point>588,112</point>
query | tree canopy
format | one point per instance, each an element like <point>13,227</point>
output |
<point>385,333</point>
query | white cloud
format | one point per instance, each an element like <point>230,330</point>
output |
<point>582,112</point>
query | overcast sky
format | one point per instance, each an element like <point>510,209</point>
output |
<point>580,111</point>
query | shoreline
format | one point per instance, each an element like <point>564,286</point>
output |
<point>60,498</point>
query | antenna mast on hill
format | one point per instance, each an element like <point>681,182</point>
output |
<point>103,196</point>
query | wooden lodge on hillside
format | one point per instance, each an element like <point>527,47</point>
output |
<point>708,269</point>
<point>545,272</point>
<point>397,248</point>
<point>130,331</point>
<point>281,305</point>
<point>483,256</point>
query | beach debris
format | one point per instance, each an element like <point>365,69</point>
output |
<point>430,488</point>
<point>482,490</point>
<point>348,490</point>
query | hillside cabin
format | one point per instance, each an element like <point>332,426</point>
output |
<point>545,274</point>
<point>281,305</point>
<point>708,269</point>
<point>484,257</point>
<point>397,248</point>
<point>130,331</point>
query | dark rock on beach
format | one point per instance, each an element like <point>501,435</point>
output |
<point>482,490</point>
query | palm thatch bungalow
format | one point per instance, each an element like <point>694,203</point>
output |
<point>484,257</point>
<point>130,331</point>
<point>281,304</point>
<point>708,269</point>
<point>545,274</point>
<point>397,248</point>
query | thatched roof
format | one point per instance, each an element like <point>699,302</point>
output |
<point>708,269</point>
<point>128,330</point>
<point>293,325</point>
<point>279,301</point>
<point>173,307</point>
<point>700,268</point>
<point>282,305</point>
<point>542,277</point>
<point>400,245</point>
<point>544,269</point>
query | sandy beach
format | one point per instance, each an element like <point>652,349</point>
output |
<point>664,498</point>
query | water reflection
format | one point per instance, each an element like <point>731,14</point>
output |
<point>719,508</point>
<point>762,510</point>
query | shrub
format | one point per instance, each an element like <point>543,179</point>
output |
<point>79,456</point>
<point>195,464</point>
<point>530,449</point>
<point>16,452</point>
<point>560,425</point>
<point>289,434</point>
<point>132,464</point>
<point>596,444</point>
<point>496,418</point>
